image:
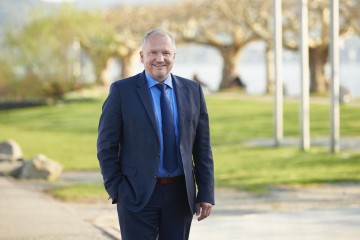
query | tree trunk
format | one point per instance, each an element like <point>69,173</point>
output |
<point>270,67</point>
<point>317,60</point>
<point>229,55</point>
<point>127,65</point>
<point>100,69</point>
<point>105,73</point>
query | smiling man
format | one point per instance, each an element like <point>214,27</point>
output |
<point>154,147</point>
<point>158,55</point>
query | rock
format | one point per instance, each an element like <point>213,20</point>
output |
<point>10,151</point>
<point>7,168</point>
<point>39,167</point>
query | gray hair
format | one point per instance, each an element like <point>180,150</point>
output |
<point>157,31</point>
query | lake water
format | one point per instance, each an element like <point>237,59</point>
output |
<point>254,75</point>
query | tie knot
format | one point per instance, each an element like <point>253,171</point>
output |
<point>161,87</point>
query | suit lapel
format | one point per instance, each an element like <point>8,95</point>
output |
<point>145,96</point>
<point>181,97</point>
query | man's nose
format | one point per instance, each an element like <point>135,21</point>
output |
<point>159,58</point>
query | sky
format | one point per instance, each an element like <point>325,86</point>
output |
<point>58,1</point>
<point>97,4</point>
<point>108,2</point>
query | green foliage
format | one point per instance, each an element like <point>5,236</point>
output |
<point>6,85</point>
<point>43,55</point>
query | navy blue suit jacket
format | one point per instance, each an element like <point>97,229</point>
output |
<point>129,148</point>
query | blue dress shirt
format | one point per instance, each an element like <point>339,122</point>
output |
<point>170,93</point>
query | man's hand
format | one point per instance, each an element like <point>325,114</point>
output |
<point>203,209</point>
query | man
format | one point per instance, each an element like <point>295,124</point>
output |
<point>154,147</point>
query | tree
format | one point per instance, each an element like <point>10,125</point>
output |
<point>43,55</point>
<point>130,26</point>
<point>6,86</point>
<point>100,44</point>
<point>33,51</point>
<point>319,29</point>
<point>319,24</point>
<point>218,24</point>
<point>257,15</point>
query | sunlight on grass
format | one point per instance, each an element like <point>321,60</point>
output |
<point>84,192</point>
<point>256,169</point>
<point>67,133</point>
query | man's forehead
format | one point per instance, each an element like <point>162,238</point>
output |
<point>159,35</point>
<point>158,38</point>
<point>159,47</point>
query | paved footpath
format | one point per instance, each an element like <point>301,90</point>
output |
<point>328,212</point>
<point>31,215</point>
<point>336,224</point>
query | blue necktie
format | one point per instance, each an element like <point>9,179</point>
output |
<point>168,131</point>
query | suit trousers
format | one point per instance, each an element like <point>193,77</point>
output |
<point>167,215</point>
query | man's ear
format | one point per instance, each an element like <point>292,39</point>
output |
<point>141,56</point>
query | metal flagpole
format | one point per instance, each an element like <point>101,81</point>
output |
<point>334,99</point>
<point>304,47</point>
<point>278,114</point>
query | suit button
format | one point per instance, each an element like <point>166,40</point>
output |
<point>155,177</point>
<point>158,154</point>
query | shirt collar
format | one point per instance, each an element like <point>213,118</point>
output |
<point>152,82</point>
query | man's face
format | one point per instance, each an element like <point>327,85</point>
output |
<point>158,56</point>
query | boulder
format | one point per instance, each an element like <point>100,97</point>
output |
<point>40,167</point>
<point>10,151</point>
<point>7,168</point>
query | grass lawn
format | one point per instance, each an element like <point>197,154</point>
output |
<point>67,133</point>
<point>82,192</point>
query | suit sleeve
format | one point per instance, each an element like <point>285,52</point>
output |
<point>202,155</point>
<point>108,142</point>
